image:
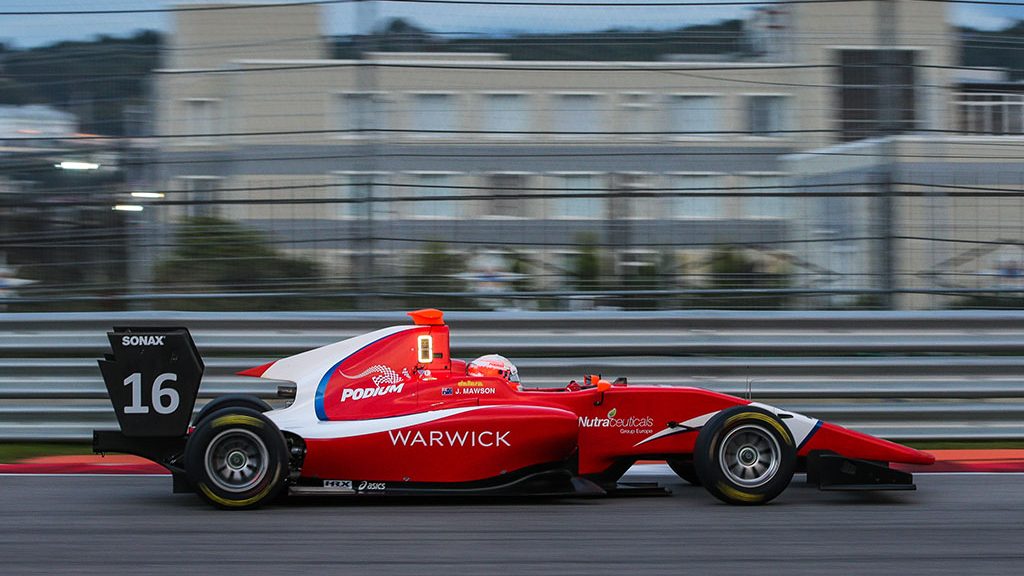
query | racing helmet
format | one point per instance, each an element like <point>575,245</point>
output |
<point>495,365</point>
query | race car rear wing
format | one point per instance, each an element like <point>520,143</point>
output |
<point>152,378</point>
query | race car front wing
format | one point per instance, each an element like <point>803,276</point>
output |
<point>830,471</point>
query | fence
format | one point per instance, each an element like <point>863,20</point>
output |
<point>905,376</point>
<point>784,153</point>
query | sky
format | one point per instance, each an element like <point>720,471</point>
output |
<point>37,30</point>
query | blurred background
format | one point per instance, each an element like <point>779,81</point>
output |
<point>511,154</point>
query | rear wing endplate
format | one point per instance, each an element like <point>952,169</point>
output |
<point>152,377</point>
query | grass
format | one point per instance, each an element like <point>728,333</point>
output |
<point>14,451</point>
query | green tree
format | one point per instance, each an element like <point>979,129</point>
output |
<point>521,265</point>
<point>217,255</point>
<point>731,269</point>
<point>586,264</point>
<point>123,64</point>
<point>990,301</point>
<point>436,270</point>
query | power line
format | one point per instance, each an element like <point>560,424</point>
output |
<point>522,3</point>
<point>207,8</point>
<point>683,150</point>
<point>439,134</point>
<point>561,244</point>
<point>516,3</point>
<point>535,194</point>
<point>602,66</point>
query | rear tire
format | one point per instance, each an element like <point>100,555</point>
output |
<point>236,458</point>
<point>745,455</point>
<point>685,469</point>
<point>231,401</point>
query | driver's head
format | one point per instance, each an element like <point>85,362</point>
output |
<point>495,366</point>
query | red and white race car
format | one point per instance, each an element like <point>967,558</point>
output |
<point>391,412</point>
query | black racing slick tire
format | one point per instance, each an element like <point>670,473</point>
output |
<point>231,401</point>
<point>685,469</point>
<point>236,458</point>
<point>745,455</point>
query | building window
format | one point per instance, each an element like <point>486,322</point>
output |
<point>354,114</point>
<point>434,115</point>
<point>431,196</point>
<point>202,117</point>
<point>506,185</point>
<point>693,116</point>
<point>860,94</point>
<point>685,202</point>
<point>585,198</point>
<point>770,200</point>
<point>506,115</point>
<point>576,114</point>
<point>981,113</point>
<point>201,196</point>
<point>637,116</point>
<point>767,115</point>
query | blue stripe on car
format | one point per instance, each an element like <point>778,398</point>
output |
<point>809,435</point>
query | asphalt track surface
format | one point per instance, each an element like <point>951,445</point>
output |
<point>964,524</point>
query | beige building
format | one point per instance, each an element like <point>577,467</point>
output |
<point>481,153</point>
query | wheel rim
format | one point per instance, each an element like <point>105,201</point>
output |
<point>236,460</point>
<point>749,456</point>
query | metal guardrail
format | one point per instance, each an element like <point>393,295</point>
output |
<point>900,375</point>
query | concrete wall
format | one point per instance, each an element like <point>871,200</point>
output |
<point>210,38</point>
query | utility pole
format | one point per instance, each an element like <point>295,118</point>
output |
<point>366,123</point>
<point>889,116</point>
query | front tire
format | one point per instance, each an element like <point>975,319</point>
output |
<point>745,455</point>
<point>236,458</point>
